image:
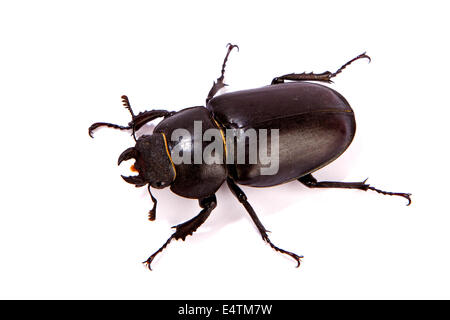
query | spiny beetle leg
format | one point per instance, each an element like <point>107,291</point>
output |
<point>219,84</point>
<point>189,227</point>
<point>311,182</point>
<point>324,76</point>
<point>240,195</point>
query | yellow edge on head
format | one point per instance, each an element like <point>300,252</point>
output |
<point>170,157</point>
<point>223,136</point>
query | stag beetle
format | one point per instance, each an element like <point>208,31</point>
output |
<point>315,125</point>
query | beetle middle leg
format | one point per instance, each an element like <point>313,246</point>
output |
<point>240,195</point>
<point>311,182</point>
<point>189,227</point>
<point>219,84</point>
<point>324,76</point>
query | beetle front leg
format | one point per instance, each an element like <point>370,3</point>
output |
<point>240,195</point>
<point>311,182</point>
<point>219,84</point>
<point>323,77</point>
<point>189,227</point>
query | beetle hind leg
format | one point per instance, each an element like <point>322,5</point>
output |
<point>311,182</point>
<point>187,228</point>
<point>240,195</point>
<point>323,77</point>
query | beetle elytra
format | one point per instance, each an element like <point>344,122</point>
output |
<point>313,123</point>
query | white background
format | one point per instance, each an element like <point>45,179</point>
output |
<point>71,228</point>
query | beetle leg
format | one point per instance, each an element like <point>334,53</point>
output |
<point>311,182</point>
<point>189,227</point>
<point>240,195</point>
<point>324,76</point>
<point>219,84</point>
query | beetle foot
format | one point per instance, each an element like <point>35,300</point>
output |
<point>150,259</point>
<point>294,256</point>
<point>361,56</point>
<point>407,196</point>
<point>400,194</point>
<point>231,46</point>
<point>148,263</point>
<point>297,258</point>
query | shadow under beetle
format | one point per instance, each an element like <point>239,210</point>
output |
<point>316,125</point>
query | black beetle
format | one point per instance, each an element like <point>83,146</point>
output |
<point>315,126</point>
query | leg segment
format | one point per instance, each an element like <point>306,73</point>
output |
<point>189,227</point>
<point>324,76</point>
<point>136,122</point>
<point>311,182</point>
<point>219,84</point>
<point>240,195</point>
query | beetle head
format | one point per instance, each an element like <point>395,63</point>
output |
<point>153,164</point>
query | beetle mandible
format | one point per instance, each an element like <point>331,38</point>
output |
<point>315,125</point>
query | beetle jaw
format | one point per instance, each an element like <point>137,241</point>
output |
<point>136,180</point>
<point>131,153</point>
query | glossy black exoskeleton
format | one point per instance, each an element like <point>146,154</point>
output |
<point>315,126</point>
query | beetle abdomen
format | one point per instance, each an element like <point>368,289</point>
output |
<point>315,123</point>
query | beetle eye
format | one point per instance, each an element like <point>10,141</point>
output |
<point>159,184</point>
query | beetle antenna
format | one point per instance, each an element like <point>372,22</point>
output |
<point>126,104</point>
<point>105,124</point>
<point>131,125</point>
<point>152,212</point>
